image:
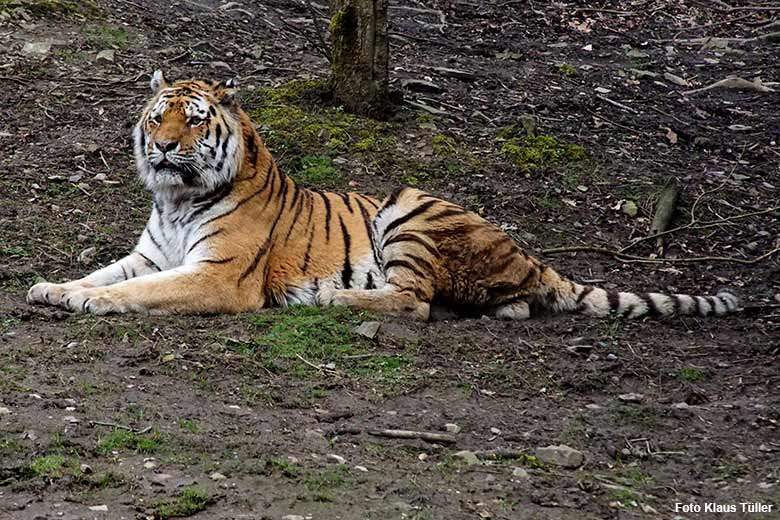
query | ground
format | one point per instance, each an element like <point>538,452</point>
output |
<point>241,416</point>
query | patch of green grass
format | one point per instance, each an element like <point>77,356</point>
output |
<point>7,323</point>
<point>541,152</point>
<point>119,440</point>
<point>318,334</point>
<point>645,416</point>
<point>189,425</point>
<point>638,476</point>
<point>317,171</point>
<point>17,9</point>
<point>444,145</point>
<point>320,483</point>
<point>14,251</point>
<point>281,465</point>
<point>566,69</point>
<point>691,374</point>
<point>293,116</point>
<point>529,461</point>
<point>625,496</point>
<point>191,501</point>
<point>102,36</point>
<point>48,466</point>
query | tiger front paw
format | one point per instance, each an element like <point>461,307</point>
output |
<point>45,292</point>
<point>326,296</point>
<point>93,301</point>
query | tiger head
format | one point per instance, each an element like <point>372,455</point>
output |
<point>189,137</point>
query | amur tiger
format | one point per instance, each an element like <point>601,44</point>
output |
<point>229,232</point>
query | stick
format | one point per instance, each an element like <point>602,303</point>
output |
<point>664,210</point>
<point>735,83</point>
<point>120,427</point>
<point>619,105</point>
<point>402,434</point>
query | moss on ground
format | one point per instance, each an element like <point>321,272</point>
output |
<point>24,9</point>
<point>120,440</point>
<point>540,152</point>
<point>293,116</point>
<point>191,501</point>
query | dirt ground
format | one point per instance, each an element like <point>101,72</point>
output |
<point>219,417</point>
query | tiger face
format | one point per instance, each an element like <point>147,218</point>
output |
<point>188,139</point>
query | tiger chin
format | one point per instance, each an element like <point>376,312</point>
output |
<point>229,232</point>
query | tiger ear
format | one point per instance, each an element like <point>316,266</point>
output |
<point>158,80</point>
<point>226,91</point>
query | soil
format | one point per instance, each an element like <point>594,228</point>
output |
<point>195,396</point>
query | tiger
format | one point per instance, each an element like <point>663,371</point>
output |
<point>229,232</point>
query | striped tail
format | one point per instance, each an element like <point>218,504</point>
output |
<point>594,301</point>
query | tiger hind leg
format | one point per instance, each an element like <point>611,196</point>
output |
<point>389,300</point>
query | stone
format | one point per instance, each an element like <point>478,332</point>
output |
<point>362,469</point>
<point>593,406</point>
<point>37,49</point>
<point>160,478</point>
<point>469,457</point>
<point>85,468</point>
<point>631,397</point>
<point>4,411</point>
<point>338,459</point>
<point>420,85</point>
<point>520,473</point>
<point>103,508</point>
<point>293,517</point>
<point>368,329</point>
<point>561,455</point>
<point>456,73</point>
<point>106,56</point>
<point>452,428</point>
<point>217,476</point>
<point>630,208</point>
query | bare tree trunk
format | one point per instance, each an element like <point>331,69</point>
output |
<point>360,55</point>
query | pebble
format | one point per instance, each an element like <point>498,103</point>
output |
<point>86,256</point>
<point>593,406</point>
<point>452,428</point>
<point>631,398</point>
<point>630,208</point>
<point>39,49</point>
<point>150,465</point>
<point>4,411</point>
<point>456,73</point>
<point>361,468</point>
<point>368,329</point>
<point>217,476</point>
<point>99,508</point>
<point>469,457</point>
<point>85,468</point>
<point>422,457</point>
<point>520,473</point>
<point>71,419</point>
<point>293,517</point>
<point>332,457</point>
<point>561,455</point>
<point>611,357</point>
<point>495,431</point>
<point>106,55</point>
<point>160,478</point>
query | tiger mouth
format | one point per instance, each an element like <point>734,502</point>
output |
<point>165,164</point>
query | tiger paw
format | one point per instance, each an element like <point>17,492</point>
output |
<point>325,296</point>
<point>45,292</point>
<point>93,301</point>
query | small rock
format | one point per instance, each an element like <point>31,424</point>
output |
<point>99,508</point>
<point>422,457</point>
<point>560,456</point>
<point>452,428</point>
<point>361,468</point>
<point>419,85</point>
<point>100,177</point>
<point>86,256</point>
<point>469,457</point>
<point>293,517</point>
<point>611,357</point>
<point>630,208</point>
<point>150,465</point>
<point>681,406</point>
<point>38,49</point>
<point>631,398</point>
<point>70,419</point>
<point>219,65</point>
<point>593,406</point>
<point>520,473</point>
<point>368,329</point>
<point>85,468</point>
<point>106,56</point>
<point>636,53</point>
<point>160,478</point>
<point>217,476</point>
<point>332,457</point>
<point>495,431</point>
<point>677,80</point>
<point>75,178</point>
<point>4,411</point>
<point>456,73</point>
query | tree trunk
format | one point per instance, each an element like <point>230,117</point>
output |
<point>360,55</point>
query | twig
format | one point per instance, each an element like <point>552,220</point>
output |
<point>315,367</point>
<point>317,29</point>
<point>404,434</point>
<point>609,122</point>
<point>120,427</point>
<point>641,259</point>
<point>615,103</point>
<point>735,83</point>
<point>303,33</point>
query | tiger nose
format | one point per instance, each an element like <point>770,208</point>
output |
<point>166,146</point>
